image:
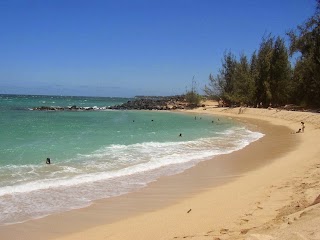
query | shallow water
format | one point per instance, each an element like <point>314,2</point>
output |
<point>96,154</point>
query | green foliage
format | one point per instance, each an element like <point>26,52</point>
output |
<point>280,73</point>
<point>223,84</point>
<point>306,42</point>
<point>268,78</point>
<point>265,79</point>
<point>227,72</point>
<point>243,86</point>
<point>262,79</point>
<point>212,90</point>
<point>192,97</point>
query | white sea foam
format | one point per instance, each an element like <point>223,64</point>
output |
<point>111,170</point>
<point>123,160</point>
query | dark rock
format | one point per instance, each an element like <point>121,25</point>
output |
<point>139,103</point>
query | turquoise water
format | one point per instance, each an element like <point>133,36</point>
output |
<point>96,154</point>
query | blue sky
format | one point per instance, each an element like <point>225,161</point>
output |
<point>131,47</point>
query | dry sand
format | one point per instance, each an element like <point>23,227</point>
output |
<point>272,196</point>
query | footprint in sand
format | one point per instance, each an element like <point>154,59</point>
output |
<point>245,231</point>
<point>258,207</point>
<point>224,231</point>
<point>243,221</point>
<point>314,235</point>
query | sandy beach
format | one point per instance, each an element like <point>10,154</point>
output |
<point>268,190</point>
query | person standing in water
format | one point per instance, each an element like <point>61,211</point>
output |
<point>48,161</point>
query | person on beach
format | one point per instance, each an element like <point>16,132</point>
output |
<point>48,161</point>
<point>299,131</point>
<point>302,126</point>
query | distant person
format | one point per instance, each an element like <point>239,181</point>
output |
<point>180,135</point>
<point>302,126</point>
<point>48,161</point>
<point>299,131</point>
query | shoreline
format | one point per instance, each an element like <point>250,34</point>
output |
<point>169,213</point>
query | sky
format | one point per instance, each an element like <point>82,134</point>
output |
<point>124,48</point>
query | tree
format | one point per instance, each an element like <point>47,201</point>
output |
<point>266,79</point>
<point>280,73</point>
<point>262,80</point>
<point>306,41</point>
<point>243,84</point>
<point>234,84</point>
<point>212,90</point>
<point>254,75</point>
<point>222,85</point>
<point>226,77</point>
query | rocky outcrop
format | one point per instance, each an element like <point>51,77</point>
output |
<point>152,103</point>
<point>138,103</point>
<point>69,108</point>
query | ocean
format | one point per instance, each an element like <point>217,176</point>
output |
<point>97,154</point>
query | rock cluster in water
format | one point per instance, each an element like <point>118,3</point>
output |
<point>153,103</point>
<point>69,108</point>
<point>139,103</point>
